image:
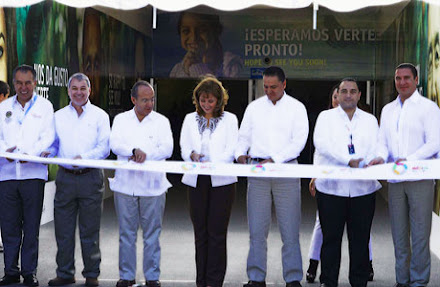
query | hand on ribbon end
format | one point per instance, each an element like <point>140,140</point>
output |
<point>11,149</point>
<point>45,154</point>
<point>400,159</point>
<point>23,161</point>
<point>354,162</point>
<point>243,159</point>
<point>139,156</point>
<point>312,187</point>
<point>196,156</point>
<point>375,161</point>
<point>77,157</point>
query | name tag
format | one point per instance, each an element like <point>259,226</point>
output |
<point>351,149</point>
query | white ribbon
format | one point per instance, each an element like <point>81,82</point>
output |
<point>410,170</point>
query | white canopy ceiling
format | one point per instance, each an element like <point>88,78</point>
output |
<point>225,5</point>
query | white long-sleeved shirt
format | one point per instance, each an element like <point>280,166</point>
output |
<point>410,130</point>
<point>334,132</point>
<point>154,137</point>
<point>86,135</point>
<point>31,130</point>
<point>273,131</point>
<point>221,145</point>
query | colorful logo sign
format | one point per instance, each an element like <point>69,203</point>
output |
<point>419,169</point>
<point>400,168</point>
<point>188,166</point>
<point>258,168</point>
<point>325,171</point>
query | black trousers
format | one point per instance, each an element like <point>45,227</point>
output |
<point>78,202</point>
<point>21,204</point>
<point>210,210</point>
<point>334,213</point>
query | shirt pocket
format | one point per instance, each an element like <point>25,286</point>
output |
<point>150,140</point>
<point>89,134</point>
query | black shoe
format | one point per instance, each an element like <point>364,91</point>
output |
<point>59,281</point>
<point>92,282</point>
<point>293,284</point>
<point>311,272</point>
<point>9,279</point>
<point>30,280</point>
<point>400,285</point>
<point>255,284</point>
<point>125,283</point>
<point>371,276</point>
<point>152,283</point>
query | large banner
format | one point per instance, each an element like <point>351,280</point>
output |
<point>241,44</point>
<point>58,41</point>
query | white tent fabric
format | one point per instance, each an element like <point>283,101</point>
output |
<point>225,5</point>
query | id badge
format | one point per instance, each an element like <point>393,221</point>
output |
<point>351,149</point>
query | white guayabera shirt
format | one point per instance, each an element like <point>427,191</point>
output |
<point>31,130</point>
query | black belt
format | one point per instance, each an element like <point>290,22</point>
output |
<point>258,159</point>
<point>77,171</point>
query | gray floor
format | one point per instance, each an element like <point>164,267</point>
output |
<point>178,268</point>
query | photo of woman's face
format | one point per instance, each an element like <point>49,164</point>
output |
<point>194,34</point>
<point>3,50</point>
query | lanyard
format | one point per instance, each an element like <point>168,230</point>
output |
<point>31,104</point>
<point>350,126</point>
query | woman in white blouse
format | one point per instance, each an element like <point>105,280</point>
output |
<point>210,135</point>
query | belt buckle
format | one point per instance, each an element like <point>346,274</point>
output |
<point>256,160</point>
<point>78,171</point>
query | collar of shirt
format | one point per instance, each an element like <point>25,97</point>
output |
<point>30,102</point>
<point>343,114</point>
<point>413,99</point>
<point>277,103</point>
<point>149,117</point>
<point>85,107</point>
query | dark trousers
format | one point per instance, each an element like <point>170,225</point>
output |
<point>210,210</point>
<point>334,213</point>
<point>21,204</point>
<point>78,197</point>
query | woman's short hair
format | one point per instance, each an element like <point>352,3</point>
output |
<point>210,85</point>
<point>4,88</point>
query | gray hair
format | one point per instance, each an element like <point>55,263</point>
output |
<point>24,69</point>
<point>135,88</point>
<point>79,77</point>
